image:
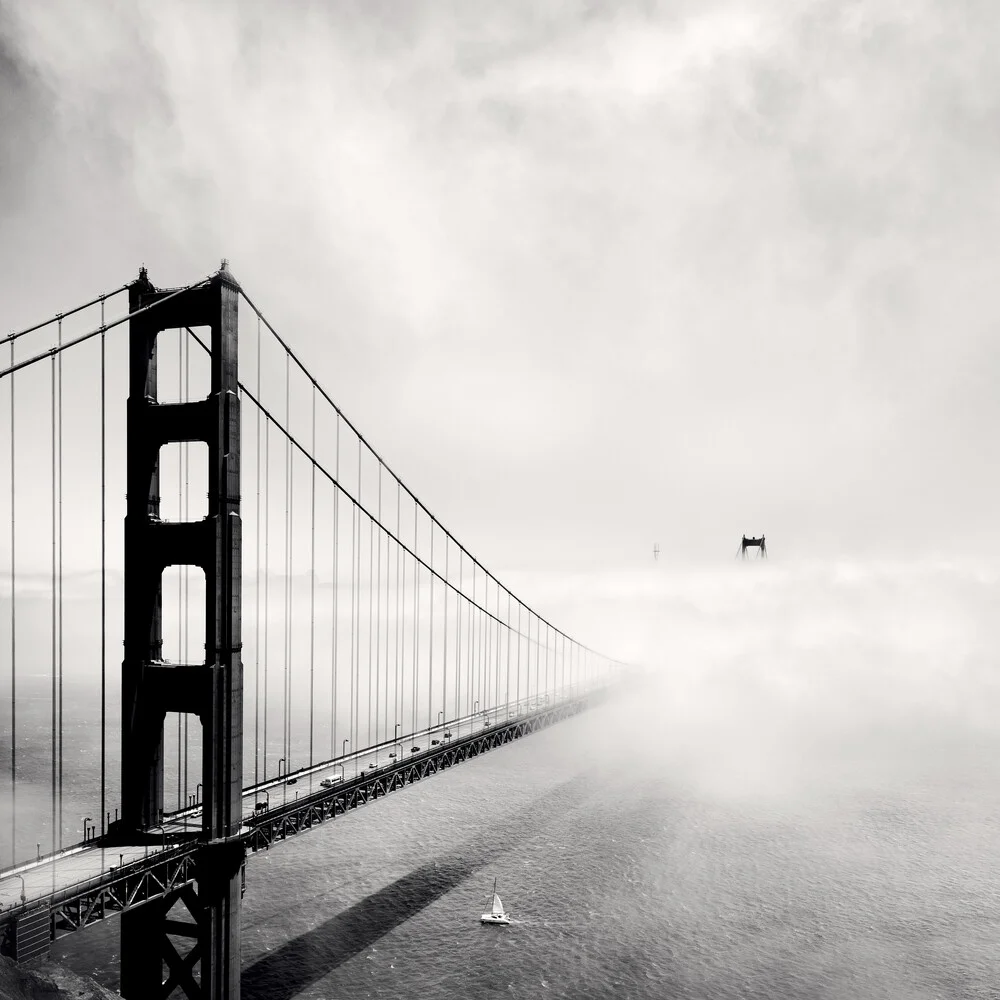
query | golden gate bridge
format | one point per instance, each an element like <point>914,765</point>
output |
<point>283,630</point>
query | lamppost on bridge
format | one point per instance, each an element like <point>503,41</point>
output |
<point>24,897</point>
<point>86,820</point>
<point>440,714</point>
<point>163,833</point>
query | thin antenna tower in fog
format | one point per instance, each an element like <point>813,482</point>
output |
<point>751,543</point>
<point>656,550</point>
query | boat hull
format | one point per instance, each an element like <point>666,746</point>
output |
<point>497,918</point>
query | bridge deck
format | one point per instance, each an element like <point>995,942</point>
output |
<point>89,882</point>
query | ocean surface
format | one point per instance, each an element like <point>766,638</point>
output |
<point>644,857</point>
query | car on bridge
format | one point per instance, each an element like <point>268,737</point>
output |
<point>414,749</point>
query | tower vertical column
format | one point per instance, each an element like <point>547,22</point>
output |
<point>221,858</point>
<point>212,690</point>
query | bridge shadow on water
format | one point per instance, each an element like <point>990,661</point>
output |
<point>285,972</point>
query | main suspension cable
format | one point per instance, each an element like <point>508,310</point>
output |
<point>58,317</point>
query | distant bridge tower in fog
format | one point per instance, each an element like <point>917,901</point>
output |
<point>753,543</point>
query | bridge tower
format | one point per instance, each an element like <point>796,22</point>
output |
<point>751,543</point>
<point>213,690</point>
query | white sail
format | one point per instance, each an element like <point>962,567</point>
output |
<point>497,905</point>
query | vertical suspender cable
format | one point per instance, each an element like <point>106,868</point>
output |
<point>460,597</point>
<point>507,708</point>
<point>335,637</point>
<point>496,629</point>
<point>538,656</point>
<point>104,573</point>
<point>397,705</point>
<point>13,629</point>
<point>356,571</point>
<point>519,656</point>
<point>371,603</point>
<point>267,566</point>
<point>488,622</point>
<point>186,569</point>
<point>546,662</point>
<point>378,599</point>
<point>181,648</point>
<point>53,694</point>
<point>482,642</point>
<point>416,619</point>
<point>444,667</point>
<point>388,554</point>
<point>371,568</point>
<point>312,580</point>
<point>350,703</point>
<point>256,624</point>
<point>289,500</point>
<point>470,643</point>
<point>430,654</point>
<point>59,728</point>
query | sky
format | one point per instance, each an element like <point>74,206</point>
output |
<point>590,276</point>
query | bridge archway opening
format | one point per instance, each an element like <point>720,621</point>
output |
<point>183,368</point>
<point>183,596</point>
<point>184,481</point>
<point>182,746</point>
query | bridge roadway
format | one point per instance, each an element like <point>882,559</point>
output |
<point>91,881</point>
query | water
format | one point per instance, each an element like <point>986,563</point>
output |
<point>870,875</point>
<point>804,805</point>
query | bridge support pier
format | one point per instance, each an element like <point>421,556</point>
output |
<point>212,691</point>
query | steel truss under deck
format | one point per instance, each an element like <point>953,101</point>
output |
<point>167,877</point>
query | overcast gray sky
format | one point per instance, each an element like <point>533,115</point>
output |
<point>590,275</point>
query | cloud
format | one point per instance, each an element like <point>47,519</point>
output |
<point>677,271</point>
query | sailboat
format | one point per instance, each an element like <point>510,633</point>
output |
<point>496,914</point>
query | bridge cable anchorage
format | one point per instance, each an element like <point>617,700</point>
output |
<point>82,338</point>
